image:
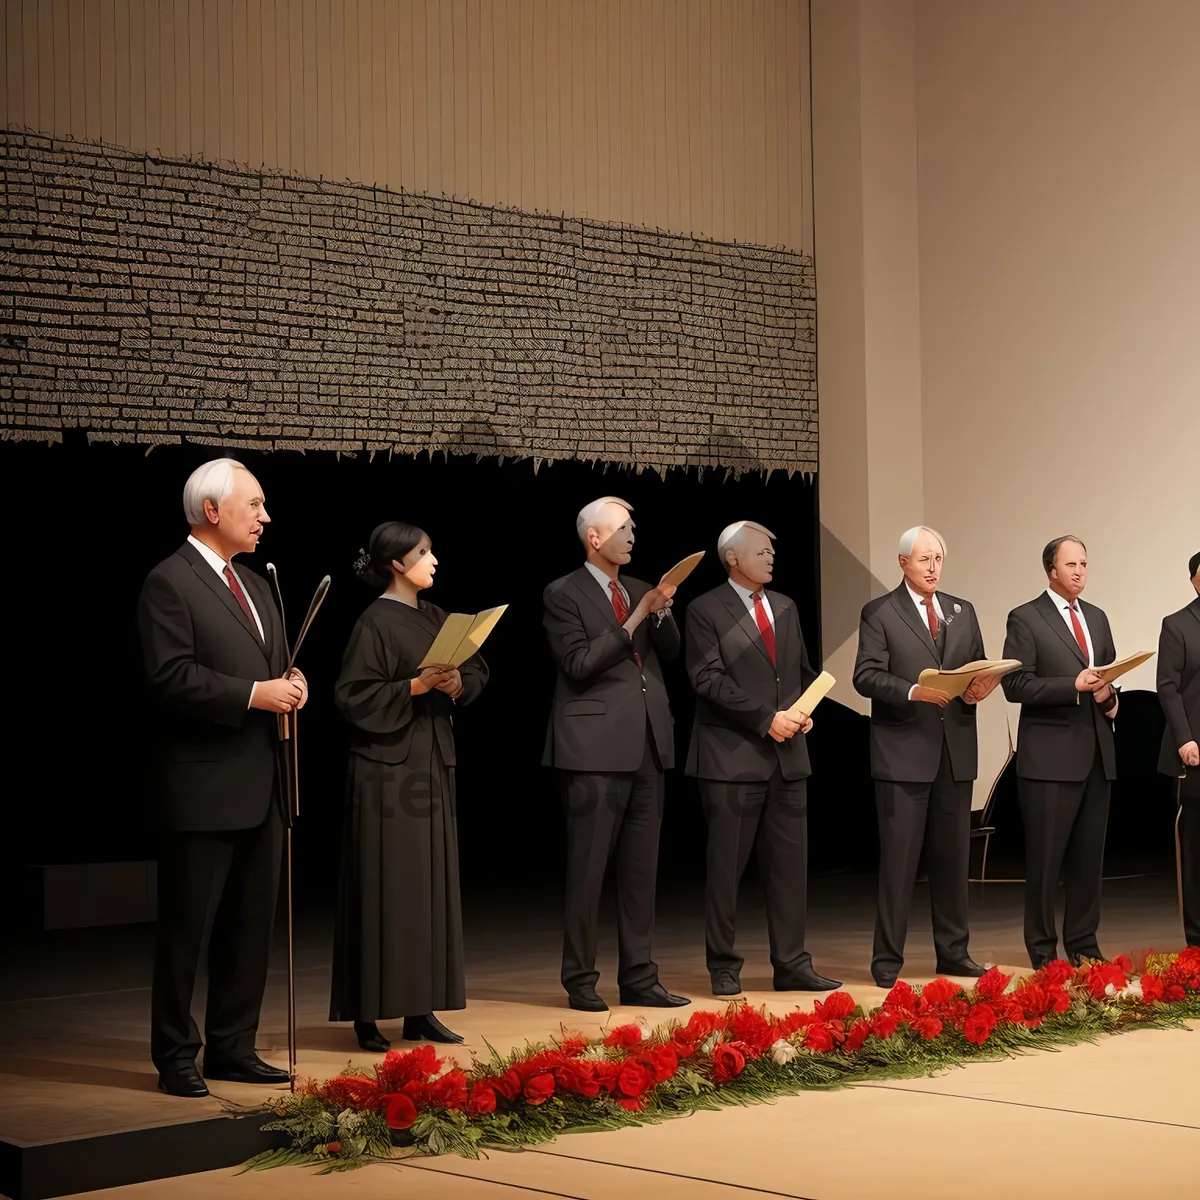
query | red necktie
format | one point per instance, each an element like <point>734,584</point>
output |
<point>236,588</point>
<point>621,608</point>
<point>1079,635</point>
<point>764,626</point>
<point>931,614</point>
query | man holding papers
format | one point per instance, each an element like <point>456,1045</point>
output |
<point>924,753</point>
<point>1066,757</point>
<point>748,664</point>
<point>1179,695</point>
<point>610,737</point>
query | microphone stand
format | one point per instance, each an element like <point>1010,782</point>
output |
<point>289,739</point>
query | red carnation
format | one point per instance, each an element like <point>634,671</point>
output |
<point>401,1112</point>
<point>859,1032</point>
<point>449,1090</point>
<point>539,1089</point>
<point>992,983</point>
<point>1175,993</point>
<point>1060,998</point>
<point>1056,973</point>
<point>979,1024</point>
<point>663,1061</point>
<point>940,991</point>
<point>927,1027</point>
<point>836,1007</point>
<point>625,1036</point>
<point>573,1046</point>
<point>635,1078</point>
<point>818,1039</point>
<point>1102,976</point>
<point>406,1066</point>
<point>483,1097</point>
<point>728,1061</point>
<point>508,1085</point>
<point>1152,989</point>
<point>1125,963</point>
<point>1033,999</point>
<point>748,1025</point>
<point>885,1022</point>
<point>901,996</point>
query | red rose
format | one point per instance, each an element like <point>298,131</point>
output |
<point>508,1085</point>
<point>818,1039</point>
<point>728,1061</point>
<point>482,1098</point>
<point>940,991</point>
<point>575,1077</point>
<point>539,1089</point>
<point>1152,989</point>
<point>683,1049</point>
<point>635,1078</point>
<point>663,1061</point>
<point>992,983</point>
<point>626,1036</point>
<point>401,1112</point>
<point>927,1027</point>
<point>979,1024</point>
<point>901,996</point>
<point>884,1023</point>
<point>836,1007</point>
<point>333,1148</point>
<point>859,1032</point>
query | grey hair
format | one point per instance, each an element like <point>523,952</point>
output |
<point>732,537</point>
<point>212,481</point>
<point>589,514</point>
<point>908,539</point>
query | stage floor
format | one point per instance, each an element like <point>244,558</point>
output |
<point>1113,1115</point>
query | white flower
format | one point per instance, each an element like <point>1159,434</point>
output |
<point>1110,989</point>
<point>783,1052</point>
<point>1131,991</point>
<point>706,1046</point>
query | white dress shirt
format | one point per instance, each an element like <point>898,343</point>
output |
<point>747,598</point>
<point>923,612</point>
<point>218,564</point>
<point>1064,610</point>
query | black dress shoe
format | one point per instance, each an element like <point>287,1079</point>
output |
<point>250,1069</point>
<point>369,1037</point>
<point>654,997</point>
<point>806,981</point>
<point>428,1028</point>
<point>887,982</point>
<point>726,983</point>
<point>586,1000</point>
<point>967,969</point>
<point>1079,957</point>
<point>182,1081</point>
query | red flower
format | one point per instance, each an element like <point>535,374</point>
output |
<point>635,1079</point>
<point>483,1097</point>
<point>940,991</point>
<point>927,1027</point>
<point>333,1148</point>
<point>1056,973</point>
<point>539,1089</point>
<point>400,1110</point>
<point>1033,999</point>
<point>1060,998</point>
<point>836,1007</point>
<point>345,1091</point>
<point>992,983</point>
<point>626,1036</point>
<point>885,1022</point>
<point>1101,976</point>
<point>818,1039</point>
<point>728,1061</point>
<point>632,1103</point>
<point>979,1024</point>
<point>578,1078</point>
<point>508,1085</point>
<point>1125,963</point>
<point>901,996</point>
<point>663,1061</point>
<point>1152,989</point>
<point>859,1032</point>
<point>748,1025</point>
<point>699,1026</point>
<point>1175,993</point>
<point>405,1066</point>
<point>573,1047</point>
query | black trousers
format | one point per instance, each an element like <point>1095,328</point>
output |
<point>771,814</point>
<point>1065,825</point>
<point>937,817</point>
<point>221,886</point>
<point>1189,837</point>
<point>619,813</point>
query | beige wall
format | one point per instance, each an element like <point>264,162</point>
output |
<point>689,115</point>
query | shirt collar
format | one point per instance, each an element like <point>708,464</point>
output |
<point>602,579</point>
<point>917,598</point>
<point>209,555</point>
<point>1062,603</point>
<point>746,595</point>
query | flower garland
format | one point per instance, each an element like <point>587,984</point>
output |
<point>414,1102</point>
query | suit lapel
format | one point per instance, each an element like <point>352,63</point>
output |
<point>779,607</point>
<point>745,622</point>
<point>1054,619</point>
<point>1194,608</point>
<point>951,623</point>
<point>222,591</point>
<point>589,590</point>
<point>903,604</point>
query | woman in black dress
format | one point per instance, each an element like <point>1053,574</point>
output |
<point>398,948</point>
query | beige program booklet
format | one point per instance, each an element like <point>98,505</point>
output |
<point>955,683</point>
<point>813,695</point>
<point>1115,670</point>
<point>681,570</point>
<point>461,636</point>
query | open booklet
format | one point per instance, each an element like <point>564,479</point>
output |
<point>1115,670</point>
<point>955,682</point>
<point>681,570</point>
<point>460,637</point>
<point>813,695</point>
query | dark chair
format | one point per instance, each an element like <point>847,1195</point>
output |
<point>981,819</point>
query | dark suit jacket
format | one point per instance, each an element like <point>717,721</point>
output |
<point>602,699</point>
<point>214,760</point>
<point>1179,684</point>
<point>1059,727</point>
<point>739,691</point>
<point>894,647</point>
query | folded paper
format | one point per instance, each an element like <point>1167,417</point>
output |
<point>813,695</point>
<point>681,570</point>
<point>461,636</point>
<point>955,683</point>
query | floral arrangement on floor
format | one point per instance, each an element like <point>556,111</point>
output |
<point>415,1103</point>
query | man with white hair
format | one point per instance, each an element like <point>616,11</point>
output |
<point>214,651</point>
<point>748,665</point>
<point>610,738</point>
<point>924,753</point>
